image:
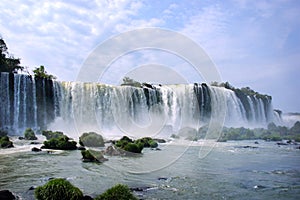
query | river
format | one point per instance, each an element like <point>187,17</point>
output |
<point>231,170</point>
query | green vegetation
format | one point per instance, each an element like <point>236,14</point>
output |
<point>130,82</point>
<point>119,191</point>
<point>127,144</point>
<point>272,133</point>
<point>5,142</point>
<point>239,92</point>
<point>52,134</point>
<point>91,139</point>
<point>92,156</point>
<point>40,72</point>
<point>7,62</point>
<point>29,134</point>
<point>60,143</point>
<point>58,189</point>
<point>147,142</point>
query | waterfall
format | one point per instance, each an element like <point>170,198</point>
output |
<point>80,107</point>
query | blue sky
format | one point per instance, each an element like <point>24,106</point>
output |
<point>252,43</point>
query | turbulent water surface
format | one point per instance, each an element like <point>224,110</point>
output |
<point>229,171</point>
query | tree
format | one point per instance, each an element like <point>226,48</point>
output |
<point>40,72</point>
<point>7,62</point>
<point>130,82</point>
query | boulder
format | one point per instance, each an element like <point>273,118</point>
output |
<point>81,148</point>
<point>91,139</point>
<point>6,195</point>
<point>60,143</point>
<point>5,142</point>
<point>29,134</point>
<point>111,151</point>
<point>34,149</point>
<point>92,156</point>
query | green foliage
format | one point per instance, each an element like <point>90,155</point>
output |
<point>51,134</point>
<point>130,82</point>
<point>61,143</point>
<point>58,189</point>
<point>295,129</point>
<point>91,139</point>
<point>245,90</point>
<point>236,134</point>
<point>118,192</point>
<point>5,142</point>
<point>40,72</point>
<point>123,142</point>
<point>136,146</point>
<point>147,142</point>
<point>133,148</point>
<point>7,62</point>
<point>272,133</point>
<point>29,134</point>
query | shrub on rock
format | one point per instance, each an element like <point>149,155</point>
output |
<point>52,134</point>
<point>133,148</point>
<point>119,191</point>
<point>58,189</point>
<point>5,142</point>
<point>91,139</point>
<point>29,134</point>
<point>148,142</point>
<point>60,143</point>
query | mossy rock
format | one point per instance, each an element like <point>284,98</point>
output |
<point>91,139</point>
<point>92,156</point>
<point>52,134</point>
<point>118,192</point>
<point>60,143</point>
<point>133,148</point>
<point>29,134</point>
<point>58,189</point>
<point>5,142</point>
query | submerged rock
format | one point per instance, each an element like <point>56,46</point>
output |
<point>35,149</point>
<point>246,147</point>
<point>6,195</point>
<point>81,148</point>
<point>281,143</point>
<point>111,151</point>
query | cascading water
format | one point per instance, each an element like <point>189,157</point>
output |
<point>25,102</point>
<point>80,107</point>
